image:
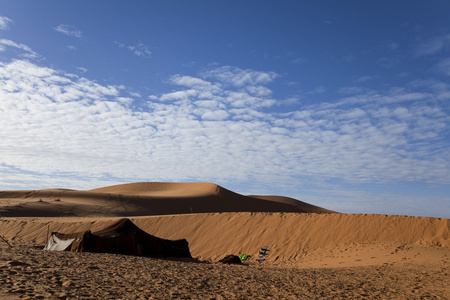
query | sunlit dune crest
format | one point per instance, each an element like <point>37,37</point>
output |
<point>146,198</point>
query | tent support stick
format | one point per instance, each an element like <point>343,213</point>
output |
<point>5,241</point>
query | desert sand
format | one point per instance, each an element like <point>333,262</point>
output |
<point>313,252</point>
<point>143,199</point>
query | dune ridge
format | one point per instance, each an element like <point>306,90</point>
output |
<point>290,236</point>
<point>145,198</point>
<point>168,189</point>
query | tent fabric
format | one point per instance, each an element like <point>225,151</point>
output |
<point>57,244</point>
<point>122,237</point>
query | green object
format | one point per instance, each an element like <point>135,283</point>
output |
<point>243,257</point>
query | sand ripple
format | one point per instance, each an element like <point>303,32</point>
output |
<point>30,273</point>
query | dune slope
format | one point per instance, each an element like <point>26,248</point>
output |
<point>290,236</point>
<point>143,199</point>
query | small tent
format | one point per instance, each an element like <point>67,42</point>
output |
<point>122,237</point>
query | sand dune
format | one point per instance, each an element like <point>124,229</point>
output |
<point>163,189</point>
<point>143,199</point>
<point>214,220</point>
<point>290,236</point>
<point>313,252</point>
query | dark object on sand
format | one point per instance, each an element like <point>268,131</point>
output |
<point>231,259</point>
<point>263,251</point>
<point>122,237</point>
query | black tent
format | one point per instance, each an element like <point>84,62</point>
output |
<point>122,237</point>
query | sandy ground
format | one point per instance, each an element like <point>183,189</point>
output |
<point>30,273</point>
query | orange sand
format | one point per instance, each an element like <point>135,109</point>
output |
<point>398,256</point>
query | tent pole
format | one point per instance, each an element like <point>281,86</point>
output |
<point>5,241</point>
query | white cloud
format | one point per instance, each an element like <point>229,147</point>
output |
<point>215,115</point>
<point>211,104</point>
<point>365,79</point>
<point>259,91</point>
<point>317,91</point>
<point>299,60</point>
<point>190,81</point>
<point>432,46</point>
<point>238,77</point>
<point>119,44</point>
<point>139,49</point>
<point>27,52</point>
<point>444,66</point>
<point>125,100</point>
<point>5,22</point>
<point>179,95</point>
<point>68,30</point>
<point>241,99</point>
<point>378,140</point>
<point>81,69</point>
<point>135,94</point>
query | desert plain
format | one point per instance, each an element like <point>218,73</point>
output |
<point>313,253</point>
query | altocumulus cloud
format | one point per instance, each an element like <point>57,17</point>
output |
<point>68,30</point>
<point>61,129</point>
<point>24,50</point>
<point>139,49</point>
<point>5,22</point>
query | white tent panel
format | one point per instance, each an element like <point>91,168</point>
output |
<point>56,244</point>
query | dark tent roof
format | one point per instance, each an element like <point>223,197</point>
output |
<point>122,227</point>
<point>122,237</point>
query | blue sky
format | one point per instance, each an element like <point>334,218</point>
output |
<point>342,104</point>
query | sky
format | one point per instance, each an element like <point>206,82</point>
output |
<point>341,104</point>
